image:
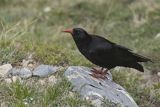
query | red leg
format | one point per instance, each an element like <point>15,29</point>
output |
<point>99,73</point>
<point>98,76</point>
<point>104,71</point>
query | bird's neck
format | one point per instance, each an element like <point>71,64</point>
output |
<point>82,44</point>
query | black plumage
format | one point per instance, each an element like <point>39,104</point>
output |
<point>105,53</point>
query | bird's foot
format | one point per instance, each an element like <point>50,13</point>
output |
<point>102,71</point>
<point>99,76</point>
<point>99,73</point>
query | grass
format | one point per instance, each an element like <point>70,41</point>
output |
<point>26,94</point>
<point>27,28</point>
<point>140,89</point>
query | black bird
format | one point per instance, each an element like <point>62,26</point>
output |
<point>105,53</point>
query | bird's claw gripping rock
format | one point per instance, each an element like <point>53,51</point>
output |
<point>98,76</point>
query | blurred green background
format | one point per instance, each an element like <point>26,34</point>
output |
<point>34,27</point>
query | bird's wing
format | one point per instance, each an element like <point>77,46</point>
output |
<point>101,52</point>
<point>104,51</point>
<point>122,47</point>
<point>104,41</point>
<point>128,55</point>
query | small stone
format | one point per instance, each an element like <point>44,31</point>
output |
<point>96,102</point>
<point>158,74</point>
<point>21,72</point>
<point>29,64</point>
<point>25,63</point>
<point>157,36</point>
<point>71,94</point>
<point>47,9</point>
<point>13,72</point>
<point>16,78</point>
<point>3,104</point>
<point>44,70</point>
<point>25,73</point>
<point>4,69</point>
<point>52,80</point>
<point>8,80</point>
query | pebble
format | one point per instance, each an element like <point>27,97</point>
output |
<point>52,80</point>
<point>158,74</point>
<point>44,70</point>
<point>157,36</point>
<point>4,69</point>
<point>16,78</point>
<point>21,72</point>
<point>47,9</point>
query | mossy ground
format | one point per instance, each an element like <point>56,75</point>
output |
<point>27,27</point>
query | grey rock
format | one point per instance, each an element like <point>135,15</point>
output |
<point>98,90</point>
<point>21,72</point>
<point>44,70</point>
<point>4,69</point>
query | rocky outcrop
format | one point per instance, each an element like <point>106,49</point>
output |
<point>98,90</point>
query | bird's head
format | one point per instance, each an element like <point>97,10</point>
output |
<point>78,33</point>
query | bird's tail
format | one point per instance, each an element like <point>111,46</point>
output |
<point>136,66</point>
<point>140,58</point>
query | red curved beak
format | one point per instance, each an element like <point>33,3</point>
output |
<point>68,30</point>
